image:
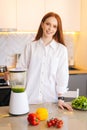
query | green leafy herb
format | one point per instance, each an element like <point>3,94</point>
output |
<point>80,103</point>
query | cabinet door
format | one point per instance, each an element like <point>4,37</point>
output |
<point>78,81</point>
<point>7,14</point>
<point>69,11</point>
<point>5,96</point>
<point>29,14</point>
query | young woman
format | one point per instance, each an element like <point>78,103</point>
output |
<point>46,62</point>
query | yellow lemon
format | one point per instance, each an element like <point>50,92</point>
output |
<point>42,113</point>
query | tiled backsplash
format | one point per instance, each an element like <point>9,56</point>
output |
<point>14,43</point>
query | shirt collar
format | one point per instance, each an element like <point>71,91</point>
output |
<point>52,44</point>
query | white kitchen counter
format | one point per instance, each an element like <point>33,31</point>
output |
<point>76,120</point>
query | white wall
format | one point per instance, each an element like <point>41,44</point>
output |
<point>11,44</point>
<point>81,54</point>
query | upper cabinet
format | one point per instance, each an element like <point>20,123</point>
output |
<point>29,14</point>
<point>8,14</point>
<point>25,15</point>
<point>69,11</point>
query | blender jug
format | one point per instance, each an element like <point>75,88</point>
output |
<point>18,80</point>
<point>18,99</point>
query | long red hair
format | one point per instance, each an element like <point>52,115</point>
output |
<point>59,33</point>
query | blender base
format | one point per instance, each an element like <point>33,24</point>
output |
<point>18,103</point>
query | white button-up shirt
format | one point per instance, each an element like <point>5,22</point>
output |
<point>47,71</point>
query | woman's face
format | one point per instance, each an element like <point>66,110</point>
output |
<point>49,27</point>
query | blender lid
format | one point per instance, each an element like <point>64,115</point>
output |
<point>15,70</point>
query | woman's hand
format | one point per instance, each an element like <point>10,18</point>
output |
<point>63,105</point>
<point>6,75</point>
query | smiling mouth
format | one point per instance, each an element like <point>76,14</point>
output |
<point>49,32</point>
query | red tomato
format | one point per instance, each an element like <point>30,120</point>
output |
<point>49,124</point>
<point>55,119</point>
<point>53,122</point>
<point>59,124</point>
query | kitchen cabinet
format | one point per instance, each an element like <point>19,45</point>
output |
<point>29,14</point>
<point>4,96</point>
<point>8,14</point>
<point>69,11</point>
<point>78,81</point>
<point>26,15</point>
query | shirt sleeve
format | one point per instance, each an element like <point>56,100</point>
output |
<point>62,76</point>
<point>24,59</point>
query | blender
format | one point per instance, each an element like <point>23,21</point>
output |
<point>18,99</point>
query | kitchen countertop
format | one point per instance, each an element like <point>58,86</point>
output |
<point>72,120</point>
<point>77,70</point>
<point>72,72</point>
